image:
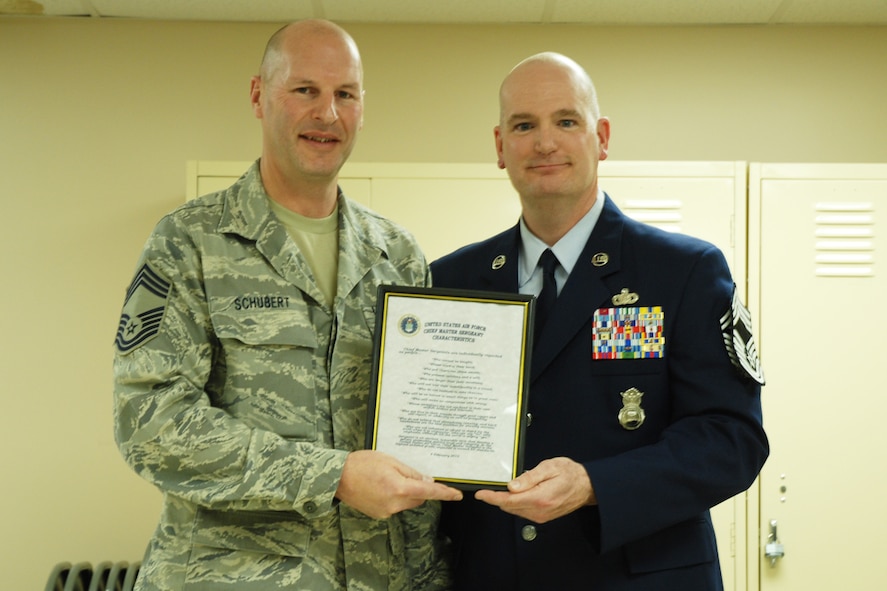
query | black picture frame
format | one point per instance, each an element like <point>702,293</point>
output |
<point>452,352</point>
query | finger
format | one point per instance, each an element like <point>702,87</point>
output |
<point>407,471</point>
<point>529,479</point>
<point>440,492</point>
<point>431,490</point>
<point>492,497</point>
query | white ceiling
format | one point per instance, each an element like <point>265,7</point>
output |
<point>599,12</point>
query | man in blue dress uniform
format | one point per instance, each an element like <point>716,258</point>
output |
<point>644,396</point>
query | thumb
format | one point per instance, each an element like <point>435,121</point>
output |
<point>525,481</point>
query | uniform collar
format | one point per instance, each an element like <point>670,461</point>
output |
<point>567,249</point>
<point>247,213</point>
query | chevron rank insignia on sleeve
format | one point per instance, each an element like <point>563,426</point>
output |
<point>143,309</point>
<point>740,342</point>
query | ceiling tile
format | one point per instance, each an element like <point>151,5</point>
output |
<point>674,12</point>
<point>436,11</point>
<point>51,8</point>
<point>834,12</point>
<point>214,10</point>
<point>603,12</point>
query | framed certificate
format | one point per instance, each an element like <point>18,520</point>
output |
<point>450,380</point>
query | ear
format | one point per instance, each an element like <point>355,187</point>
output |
<point>255,95</point>
<point>603,137</point>
<point>497,134</point>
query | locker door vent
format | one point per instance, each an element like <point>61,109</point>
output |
<point>845,239</point>
<point>664,213</point>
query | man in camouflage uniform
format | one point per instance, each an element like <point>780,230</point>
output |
<point>243,360</point>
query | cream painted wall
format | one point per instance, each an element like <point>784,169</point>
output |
<point>97,120</point>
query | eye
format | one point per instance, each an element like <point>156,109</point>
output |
<point>344,94</point>
<point>308,91</point>
<point>568,123</point>
<point>525,126</point>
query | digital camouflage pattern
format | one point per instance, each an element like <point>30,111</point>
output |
<point>239,394</point>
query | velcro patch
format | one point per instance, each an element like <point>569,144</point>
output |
<point>143,309</point>
<point>740,342</point>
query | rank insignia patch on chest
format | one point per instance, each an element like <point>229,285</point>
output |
<point>628,333</point>
<point>740,342</point>
<point>142,310</point>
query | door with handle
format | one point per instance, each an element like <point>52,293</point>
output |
<point>820,264</point>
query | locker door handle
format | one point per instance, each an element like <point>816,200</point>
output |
<point>774,550</point>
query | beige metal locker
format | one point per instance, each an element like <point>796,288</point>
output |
<point>818,269</point>
<point>704,199</point>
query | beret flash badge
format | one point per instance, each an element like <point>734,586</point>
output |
<point>142,310</point>
<point>740,342</point>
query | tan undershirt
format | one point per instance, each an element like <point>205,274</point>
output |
<point>318,241</point>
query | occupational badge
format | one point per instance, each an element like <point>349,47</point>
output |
<point>600,259</point>
<point>625,298</point>
<point>739,340</point>
<point>631,415</point>
<point>498,262</point>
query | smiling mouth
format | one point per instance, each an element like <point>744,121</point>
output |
<point>548,166</point>
<point>319,139</point>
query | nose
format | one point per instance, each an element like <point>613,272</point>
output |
<point>326,110</point>
<point>545,141</point>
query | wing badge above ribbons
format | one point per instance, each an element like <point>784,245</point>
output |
<point>143,309</point>
<point>740,342</point>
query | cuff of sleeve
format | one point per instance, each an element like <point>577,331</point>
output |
<point>316,495</point>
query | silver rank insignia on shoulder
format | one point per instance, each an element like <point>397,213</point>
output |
<point>498,262</point>
<point>631,416</point>
<point>625,298</point>
<point>739,340</point>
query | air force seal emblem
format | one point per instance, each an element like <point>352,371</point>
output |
<point>409,325</point>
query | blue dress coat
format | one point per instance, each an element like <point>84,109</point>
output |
<point>701,441</point>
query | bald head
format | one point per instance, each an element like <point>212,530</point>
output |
<point>525,75</point>
<point>550,139</point>
<point>291,38</point>
<point>309,97</point>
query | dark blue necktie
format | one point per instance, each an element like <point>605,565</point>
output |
<point>548,295</point>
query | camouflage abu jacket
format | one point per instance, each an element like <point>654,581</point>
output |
<point>239,395</point>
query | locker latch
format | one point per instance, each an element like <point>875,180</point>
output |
<point>774,549</point>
